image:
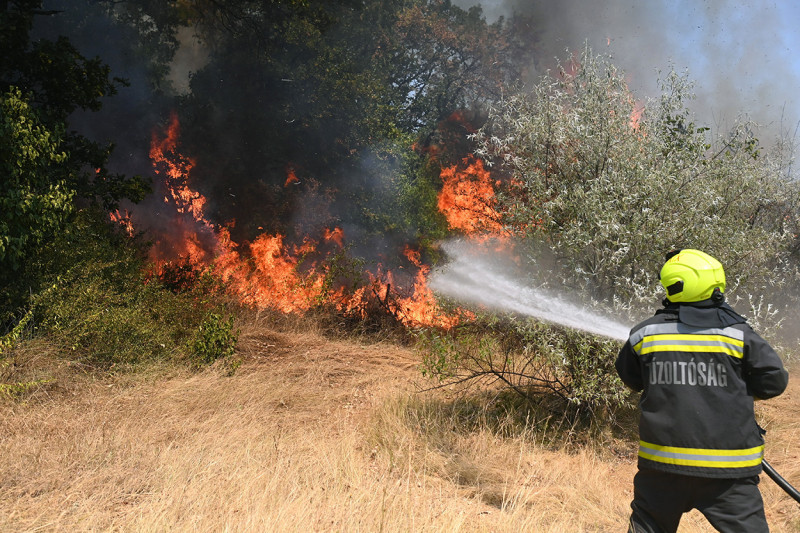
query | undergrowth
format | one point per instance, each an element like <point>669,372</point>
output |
<point>505,380</point>
<point>530,360</point>
<point>94,301</point>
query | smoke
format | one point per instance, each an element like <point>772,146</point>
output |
<point>741,56</point>
<point>190,57</point>
<point>128,117</point>
<point>474,276</point>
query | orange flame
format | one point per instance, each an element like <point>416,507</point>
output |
<point>421,307</point>
<point>274,280</point>
<point>268,272</point>
<point>175,169</point>
<point>124,220</point>
<point>291,177</point>
<point>335,235</point>
<point>467,199</point>
<point>636,116</point>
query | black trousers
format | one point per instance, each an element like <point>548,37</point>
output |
<point>730,505</point>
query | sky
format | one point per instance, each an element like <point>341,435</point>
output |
<point>743,57</point>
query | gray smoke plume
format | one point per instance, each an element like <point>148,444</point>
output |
<point>742,56</point>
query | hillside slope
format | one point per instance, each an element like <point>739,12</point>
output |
<point>311,434</point>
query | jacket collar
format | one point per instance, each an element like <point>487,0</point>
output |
<point>711,313</point>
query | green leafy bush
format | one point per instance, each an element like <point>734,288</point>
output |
<point>107,321</point>
<point>10,339</point>
<point>214,339</point>
<point>99,303</point>
<point>9,387</point>
<point>532,359</point>
<point>35,199</point>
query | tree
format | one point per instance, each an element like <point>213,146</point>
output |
<point>56,81</point>
<point>444,59</point>
<point>35,198</point>
<point>46,168</point>
<point>608,187</point>
<point>320,88</point>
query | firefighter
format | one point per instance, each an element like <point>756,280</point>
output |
<point>699,367</point>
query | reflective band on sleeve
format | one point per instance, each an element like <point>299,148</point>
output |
<point>682,338</point>
<point>701,457</point>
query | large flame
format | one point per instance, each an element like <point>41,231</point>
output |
<point>271,273</point>
<point>175,168</point>
<point>272,278</point>
<point>467,198</point>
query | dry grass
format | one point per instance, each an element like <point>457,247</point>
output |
<point>310,435</point>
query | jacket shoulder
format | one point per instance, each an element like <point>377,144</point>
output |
<point>661,317</point>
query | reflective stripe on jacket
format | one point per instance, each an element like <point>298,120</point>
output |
<point>698,385</point>
<point>700,457</point>
<point>680,337</point>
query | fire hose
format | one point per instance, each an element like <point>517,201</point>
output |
<point>782,483</point>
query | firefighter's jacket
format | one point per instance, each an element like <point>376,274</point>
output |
<point>699,367</point>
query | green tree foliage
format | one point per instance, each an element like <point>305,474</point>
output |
<point>399,198</point>
<point>59,77</point>
<point>608,191</point>
<point>57,80</point>
<point>443,59</point>
<point>149,28</point>
<point>46,167</point>
<point>35,199</point>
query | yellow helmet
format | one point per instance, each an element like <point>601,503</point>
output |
<point>691,276</point>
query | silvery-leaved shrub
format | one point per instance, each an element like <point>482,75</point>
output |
<point>606,185</point>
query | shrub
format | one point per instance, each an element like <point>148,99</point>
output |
<point>532,359</point>
<point>109,321</point>
<point>9,387</point>
<point>609,188</point>
<point>100,305</point>
<point>214,339</point>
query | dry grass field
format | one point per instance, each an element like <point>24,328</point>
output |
<point>312,434</point>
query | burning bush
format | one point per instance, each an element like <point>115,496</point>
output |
<point>313,270</point>
<point>103,308</point>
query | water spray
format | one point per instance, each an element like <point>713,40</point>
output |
<point>472,277</point>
